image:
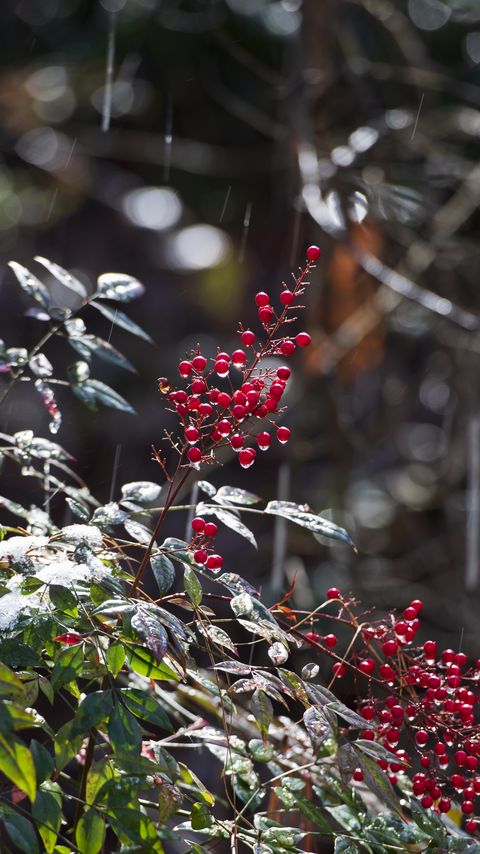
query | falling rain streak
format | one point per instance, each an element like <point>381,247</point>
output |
<point>107,92</point>
<point>168,140</point>
<point>246,228</point>
<point>227,197</point>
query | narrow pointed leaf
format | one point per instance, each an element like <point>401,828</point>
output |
<point>306,519</point>
<point>119,318</point>
<point>63,276</point>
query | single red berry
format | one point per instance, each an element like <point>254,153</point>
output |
<point>185,369</point>
<point>430,648</point>
<point>287,347</point>
<point>194,455</point>
<point>417,604</point>
<point>390,647</point>
<point>460,659</point>
<point>262,298</point>
<point>224,427</point>
<point>198,524</point>
<point>358,775</point>
<point>200,556</point>
<point>221,367</point>
<point>68,638</point>
<point>271,404</point>
<point>238,358</point>
<point>460,758</point>
<point>248,337</point>
<point>368,712</point>
<point>246,457</point>
<point>448,655</point>
<point>287,297</point>
<point>334,593</point>
<point>239,412</point>
<point>210,529</point>
<point>191,434</point>
<point>426,802</point>
<point>387,672</point>
<point>458,781</point>
<point>370,736</point>
<point>283,435</point>
<point>367,666</point>
<point>199,363</point>
<point>263,441</point>
<point>205,409</point>
<point>409,613</point>
<point>237,441</point>
<point>313,253</point>
<point>181,396</point>
<point>198,385</point>
<point>223,399</point>
<point>425,762</point>
<point>312,636</point>
<point>330,641</point>
<point>444,805</point>
<point>339,670</point>
<point>468,807</point>
<point>439,749</point>
<point>471,826</point>
<point>277,389</point>
<point>240,397</point>
<point>265,313</point>
<point>283,373</point>
<point>214,562</point>
<point>303,339</point>
<point>472,763</point>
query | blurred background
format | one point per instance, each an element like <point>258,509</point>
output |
<point>200,146</point>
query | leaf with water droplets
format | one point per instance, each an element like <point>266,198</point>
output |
<point>41,366</point>
<point>234,495</point>
<point>163,572</point>
<point>143,491</point>
<point>317,726</point>
<point>151,631</point>
<point>91,392</point>
<point>316,524</point>
<point>262,711</point>
<point>119,286</point>
<point>30,284</point>
<point>91,345</point>
<point>63,276</point>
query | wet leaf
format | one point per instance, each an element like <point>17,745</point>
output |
<point>119,287</point>
<point>262,710</point>
<point>193,587</point>
<point>163,571</point>
<point>316,524</point>
<point>63,276</point>
<point>93,392</point>
<point>119,318</point>
<point>151,631</point>
<point>30,284</point>
<point>92,345</point>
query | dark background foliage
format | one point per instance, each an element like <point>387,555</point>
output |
<point>202,187</point>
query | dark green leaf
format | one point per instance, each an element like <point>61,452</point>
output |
<point>68,742</point>
<point>133,826</point>
<point>47,811</point>
<point>312,812</point>
<point>200,816</point>
<point>92,392</point>
<point>193,587</point>
<point>93,710</point>
<point>91,345</point>
<point>262,710</point>
<point>163,571</point>
<point>119,318</point>
<point>44,764</point>
<point>115,656</point>
<point>124,732</point>
<point>17,654</point>
<point>427,821</point>
<point>145,707</point>
<point>63,598</point>
<point>316,524</point>
<point>16,762</point>
<point>377,781</point>
<point>343,845</point>
<point>68,665</point>
<point>317,726</point>
<point>19,831</point>
<point>63,276</point>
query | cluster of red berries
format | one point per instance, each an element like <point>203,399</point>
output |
<point>203,533</point>
<point>428,719</point>
<point>212,416</point>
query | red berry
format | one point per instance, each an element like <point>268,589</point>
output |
<point>194,455</point>
<point>421,737</point>
<point>409,613</point>
<point>417,604</point>
<point>367,666</point>
<point>313,253</point>
<point>224,427</point>
<point>265,314</point>
<point>210,529</point>
<point>239,412</point>
<point>192,434</point>
<point>387,672</point>
<point>448,656</point>
<point>198,386</point>
<point>312,636</point>
<point>283,373</point>
<point>430,648</point>
<point>238,357</point>
<point>221,367</point>
<point>283,435</point>
<point>330,641</point>
<point>425,762</point>
<point>468,807</point>
<point>248,338</point>
<point>368,712</point>
<point>237,441</point>
<point>262,298</point>
<point>200,556</point>
<point>205,409</point>
<point>198,524</point>
<point>426,802</point>
<point>185,369</point>
<point>358,775</point>
<point>460,659</point>
<point>439,749</point>
<point>471,826</point>
<point>339,670</point>
<point>287,347</point>
<point>223,399</point>
<point>287,297</point>
<point>263,441</point>
<point>199,363</point>
<point>460,758</point>
<point>303,339</point>
<point>246,457</point>
<point>390,647</point>
<point>333,593</point>
<point>444,805</point>
<point>214,562</point>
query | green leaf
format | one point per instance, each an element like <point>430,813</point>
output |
<point>47,810</point>
<point>119,286</point>
<point>92,392</point>
<point>133,826</point>
<point>93,710</point>
<point>90,833</point>
<point>230,520</point>
<point>163,572</point>
<point>20,831</point>
<point>193,587</point>
<point>316,524</point>
<point>68,742</point>
<point>200,816</point>
<point>262,710</point>
<point>63,599</point>
<point>44,764</point>
<point>377,781</point>
<point>233,495</point>
<point>16,762</point>
<point>427,821</point>
<point>343,845</point>
<point>312,812</point>
<point>17,654</point>
<point>10,684</point>
<point>115,656</point>
<point>144,663</point>
<point>119,318</point>
<point>68,665</point>
<point>145,707</point>
<point>63,276</point>
<point>216,635</point>
<point>30,284</point>
<point>124,731</point>
<point>91,345</point>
